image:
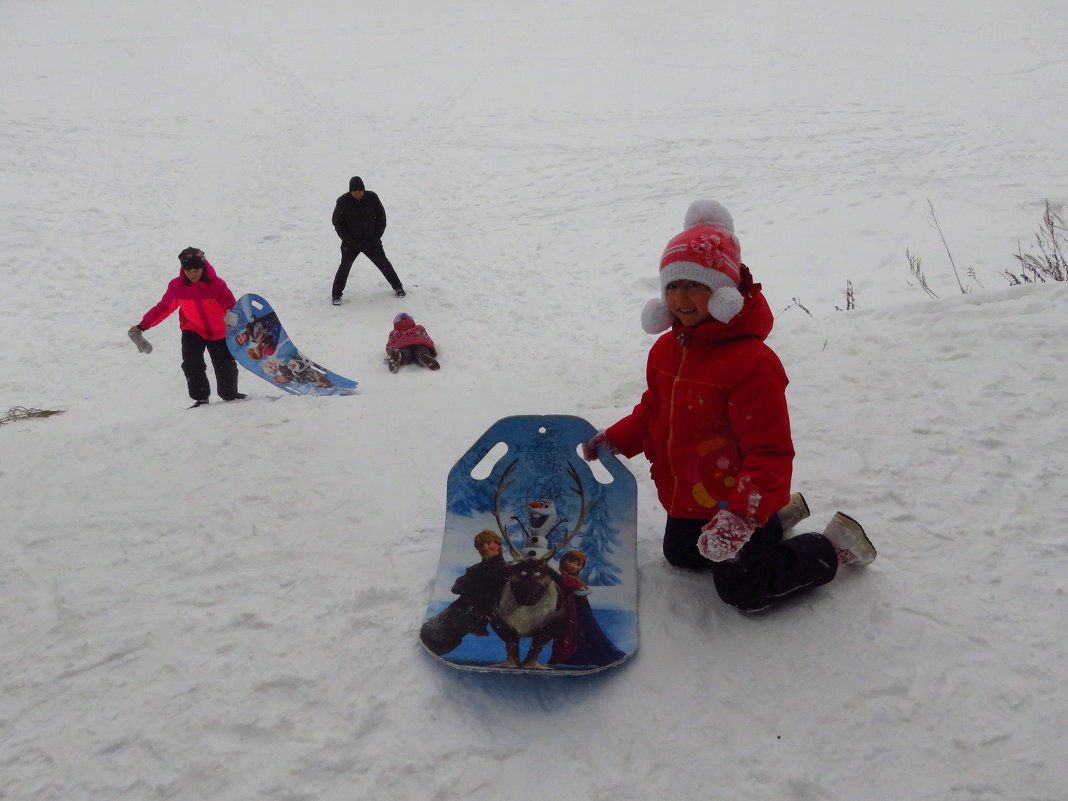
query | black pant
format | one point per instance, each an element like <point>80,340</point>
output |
<point>768,568</point>
<point>411,353</point>
<point>196,372</point>
<point>373,251</point>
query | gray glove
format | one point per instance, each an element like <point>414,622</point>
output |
<point>138,339</point>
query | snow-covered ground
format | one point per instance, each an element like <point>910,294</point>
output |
<point>224,603</point>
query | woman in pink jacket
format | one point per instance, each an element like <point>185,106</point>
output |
<point>203,301</point>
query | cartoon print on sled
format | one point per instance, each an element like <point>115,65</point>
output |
<point>509,611</point>
<point>261,345</point>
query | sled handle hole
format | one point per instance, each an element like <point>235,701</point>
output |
<point>600,472</point>
<point>486,464</point>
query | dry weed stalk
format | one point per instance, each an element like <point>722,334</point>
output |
<point>1050,263</point>
<point>22,413</point>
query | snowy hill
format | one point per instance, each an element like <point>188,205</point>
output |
<point>223,603</point>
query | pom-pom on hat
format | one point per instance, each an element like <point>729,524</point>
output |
<point>402,316</point>
<point>706,252</point>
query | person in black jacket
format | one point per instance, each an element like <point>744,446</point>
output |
<point>479,589</point>
<point>360,221</point>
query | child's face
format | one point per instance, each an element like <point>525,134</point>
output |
<point>571,565</point>
<point>688,301</point>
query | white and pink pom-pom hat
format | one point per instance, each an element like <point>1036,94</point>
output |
<point>706,252</point>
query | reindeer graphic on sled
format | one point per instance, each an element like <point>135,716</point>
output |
<point>554,588</point>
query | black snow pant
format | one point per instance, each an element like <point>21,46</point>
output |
<point>196,372</point>
<point>768,568</point>
<point>411,353</point>
<point>373,251</point>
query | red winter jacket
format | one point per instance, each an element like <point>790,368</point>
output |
<point>406,333</point>
<point>714,422</point>
<point>201,306</point>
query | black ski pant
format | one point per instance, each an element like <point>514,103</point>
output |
<point>768,568</point>
<point>196,371</point>
<point>373,251</point>
<point>411,353</point>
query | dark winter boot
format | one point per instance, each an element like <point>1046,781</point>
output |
<point>199,403</point>
<point>395,357</point>
<point>429,361</point>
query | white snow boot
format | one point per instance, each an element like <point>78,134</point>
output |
<point>850,542</point>
<point>794,512</point>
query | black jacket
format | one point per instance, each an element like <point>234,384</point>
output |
<point>360,221</point>
<point>479,588</point>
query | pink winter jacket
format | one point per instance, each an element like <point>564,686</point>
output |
<point>201,306</point>
<point>406,333</point>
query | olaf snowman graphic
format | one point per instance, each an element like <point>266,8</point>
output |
<point>542,519</point>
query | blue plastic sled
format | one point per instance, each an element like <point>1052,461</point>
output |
<point>538,567</point>
<point>262,346</point>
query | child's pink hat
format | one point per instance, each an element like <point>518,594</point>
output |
<point>706,252</point>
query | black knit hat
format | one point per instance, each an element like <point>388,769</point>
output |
<point>355,184</point>
<point>191,257</point>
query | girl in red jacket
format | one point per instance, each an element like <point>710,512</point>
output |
<point>715,427</point>
<point>410,343</point>
<point>203,301</point>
